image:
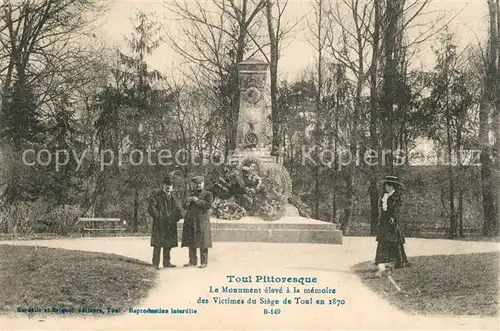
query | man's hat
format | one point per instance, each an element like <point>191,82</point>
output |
<point>198,179</point>
<point>392,180</point>
<point>167,180</point>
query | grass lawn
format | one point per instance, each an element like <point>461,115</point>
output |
<point>43,277</point>
<point>49,236</point>
<point>441,285</point>
<point>479,238</point>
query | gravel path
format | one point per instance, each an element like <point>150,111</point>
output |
<point>180,288</point>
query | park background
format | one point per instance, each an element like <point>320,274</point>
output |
<point>124,75</point>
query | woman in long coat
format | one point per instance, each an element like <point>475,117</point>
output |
<point>196,232</point>
<point>390,237</point>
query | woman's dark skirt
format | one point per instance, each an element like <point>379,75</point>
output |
<point>391,252</point>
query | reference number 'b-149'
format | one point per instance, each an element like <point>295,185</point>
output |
<point>273,311</point>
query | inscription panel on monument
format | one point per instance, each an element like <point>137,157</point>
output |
<point>251,132</point>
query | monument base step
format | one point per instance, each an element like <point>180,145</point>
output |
<point>285,230</point>
<point>262,154</point>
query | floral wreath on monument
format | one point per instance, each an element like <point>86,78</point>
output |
<point>252,188</point>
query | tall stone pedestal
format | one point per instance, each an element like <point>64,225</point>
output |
<point>252,120</point>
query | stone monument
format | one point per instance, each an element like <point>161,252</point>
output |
<point>252,132</point>
<point>253,157</point>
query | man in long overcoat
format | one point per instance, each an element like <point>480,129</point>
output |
<point>196,232</point>
<point>165,210</point>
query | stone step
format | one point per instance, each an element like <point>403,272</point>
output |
<point>263,159</point>
<point>293,230</point>
<point>333,237</point>
<point>270,226</point>
<point>263,156</point>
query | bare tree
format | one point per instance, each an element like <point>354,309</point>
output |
<point>353,54</point>
<point>278,30</point>
<point>374,102</point>
<point>319,43</point>
<point>42,61</point>
<point>218,35</point>
<point>37,34</point>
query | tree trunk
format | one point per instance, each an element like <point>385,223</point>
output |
<point>100,201</point>
<point>354,136</point>
<point>350,168</point>
<point>316,194</point>
<point>334,204</point>
<point>318,104</point>
<point>344,223</point>
<point>451,179</point>
<point>391,40</point>
<point>490,227</point>
<point>273,70</point>
<point>496,124</point>
<point>461,172</point>
<point>373,190</point>
<point>135,224</point>
<point>335,170</point>
<point>453,218</point>
<point>486,175</point>
<point>461,212</point>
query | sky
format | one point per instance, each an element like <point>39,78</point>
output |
<point>469,24</point>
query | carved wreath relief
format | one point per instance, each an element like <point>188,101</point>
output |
<point>252,96</point>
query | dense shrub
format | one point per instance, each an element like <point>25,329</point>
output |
<point>24,217</point>
<point>29,217</point>
<point>425,198</point>
<point>64,218</point>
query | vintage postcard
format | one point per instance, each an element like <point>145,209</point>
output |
<point>249,164</point>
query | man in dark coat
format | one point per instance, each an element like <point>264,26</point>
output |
<point>196,232</point>
<point>165,210</point>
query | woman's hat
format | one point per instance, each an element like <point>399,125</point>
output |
<point>392,180</point>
